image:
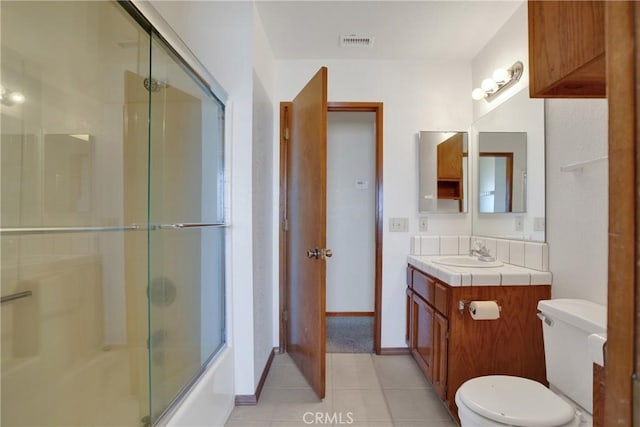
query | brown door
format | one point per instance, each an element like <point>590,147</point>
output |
<point>306,215</point>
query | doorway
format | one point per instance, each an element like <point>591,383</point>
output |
<point>350,229</point>
<point>354,116</point>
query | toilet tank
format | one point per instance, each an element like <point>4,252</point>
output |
<point>566,324</point>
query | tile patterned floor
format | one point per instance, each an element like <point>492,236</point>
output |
<point>363,389</point>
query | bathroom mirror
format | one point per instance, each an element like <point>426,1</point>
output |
<point>443,172</point>
<point>514,127</point>
<point>502,172</point>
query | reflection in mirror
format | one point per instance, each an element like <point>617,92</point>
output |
<point>515,126</point>
<point>67,178</point>
<point>442,172</point>
<point>502,172</point>
<point>53,177</point>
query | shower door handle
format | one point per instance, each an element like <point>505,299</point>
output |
<point>15,296</point>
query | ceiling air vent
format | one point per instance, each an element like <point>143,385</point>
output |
<point>353,40</point>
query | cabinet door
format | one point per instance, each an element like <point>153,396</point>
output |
<point>567,49</point>
<point>422,330</point>
<point>440,341</point>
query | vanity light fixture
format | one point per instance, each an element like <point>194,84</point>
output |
<point>501,79</point>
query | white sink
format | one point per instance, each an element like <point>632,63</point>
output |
<point>466,261</point>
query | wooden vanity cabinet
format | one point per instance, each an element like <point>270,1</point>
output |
<point>566,49</point>
<point>451,348</point>
<point>428,328</point>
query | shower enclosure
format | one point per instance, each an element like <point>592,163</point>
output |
<point>112,217</point>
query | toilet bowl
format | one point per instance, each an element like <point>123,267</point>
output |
<point>500,400</point>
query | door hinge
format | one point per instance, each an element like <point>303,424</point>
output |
<point>446,389</point>
<point>285,315</point>
<point>285,224</point>
<point>286,134</point>
<point>446,335</point>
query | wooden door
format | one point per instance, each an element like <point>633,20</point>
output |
<point>306,218</point>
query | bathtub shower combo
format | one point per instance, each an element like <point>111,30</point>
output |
<point>112,217</point>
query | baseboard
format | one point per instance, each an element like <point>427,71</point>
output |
<point>394,351</point>
<point>252,399</point>
<point>349,313</point>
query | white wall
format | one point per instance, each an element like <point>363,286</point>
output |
<point>351,158</point>
<point>417,96</point>
<point>577,203</point>
<point>264,199</point>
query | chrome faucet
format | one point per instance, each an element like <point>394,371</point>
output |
<point>481,251</point>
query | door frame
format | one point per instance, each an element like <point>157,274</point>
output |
<point>622,364</point>
<point>377,108</point>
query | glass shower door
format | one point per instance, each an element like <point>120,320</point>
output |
<point>186,234</point>
<point>68,352</point>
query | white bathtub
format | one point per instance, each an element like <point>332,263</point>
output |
<point>55,367</point>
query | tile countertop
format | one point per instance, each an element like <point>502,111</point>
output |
<point>507,275</point>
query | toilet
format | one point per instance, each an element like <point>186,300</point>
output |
<point>501,400</point>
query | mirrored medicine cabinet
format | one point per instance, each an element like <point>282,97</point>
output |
<point>443,172</point>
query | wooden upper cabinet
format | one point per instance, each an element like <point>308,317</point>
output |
<point>566,49</point>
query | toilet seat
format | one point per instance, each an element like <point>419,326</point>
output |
<point>514,401</point>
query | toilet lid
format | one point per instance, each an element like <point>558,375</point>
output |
<point>515,401</point>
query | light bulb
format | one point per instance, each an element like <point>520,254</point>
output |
<point>478,94</point>
<point>489,85</point>
<point>16,97</point>
<point>501,75</point>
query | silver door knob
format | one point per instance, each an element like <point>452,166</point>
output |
<point>320,253</point>
<point>314,253</point>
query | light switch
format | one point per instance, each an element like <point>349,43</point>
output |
<point>519,223</point>
<point>398,224</point>
<point>423,224</point>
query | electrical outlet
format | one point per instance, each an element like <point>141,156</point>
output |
<point>423,224</point>
<point>538,224</point>
<point>519,223</point>
<point>398,224</point>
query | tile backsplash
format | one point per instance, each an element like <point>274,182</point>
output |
<point>533,255</point>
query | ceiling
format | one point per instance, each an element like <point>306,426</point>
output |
<point>403,30</point>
